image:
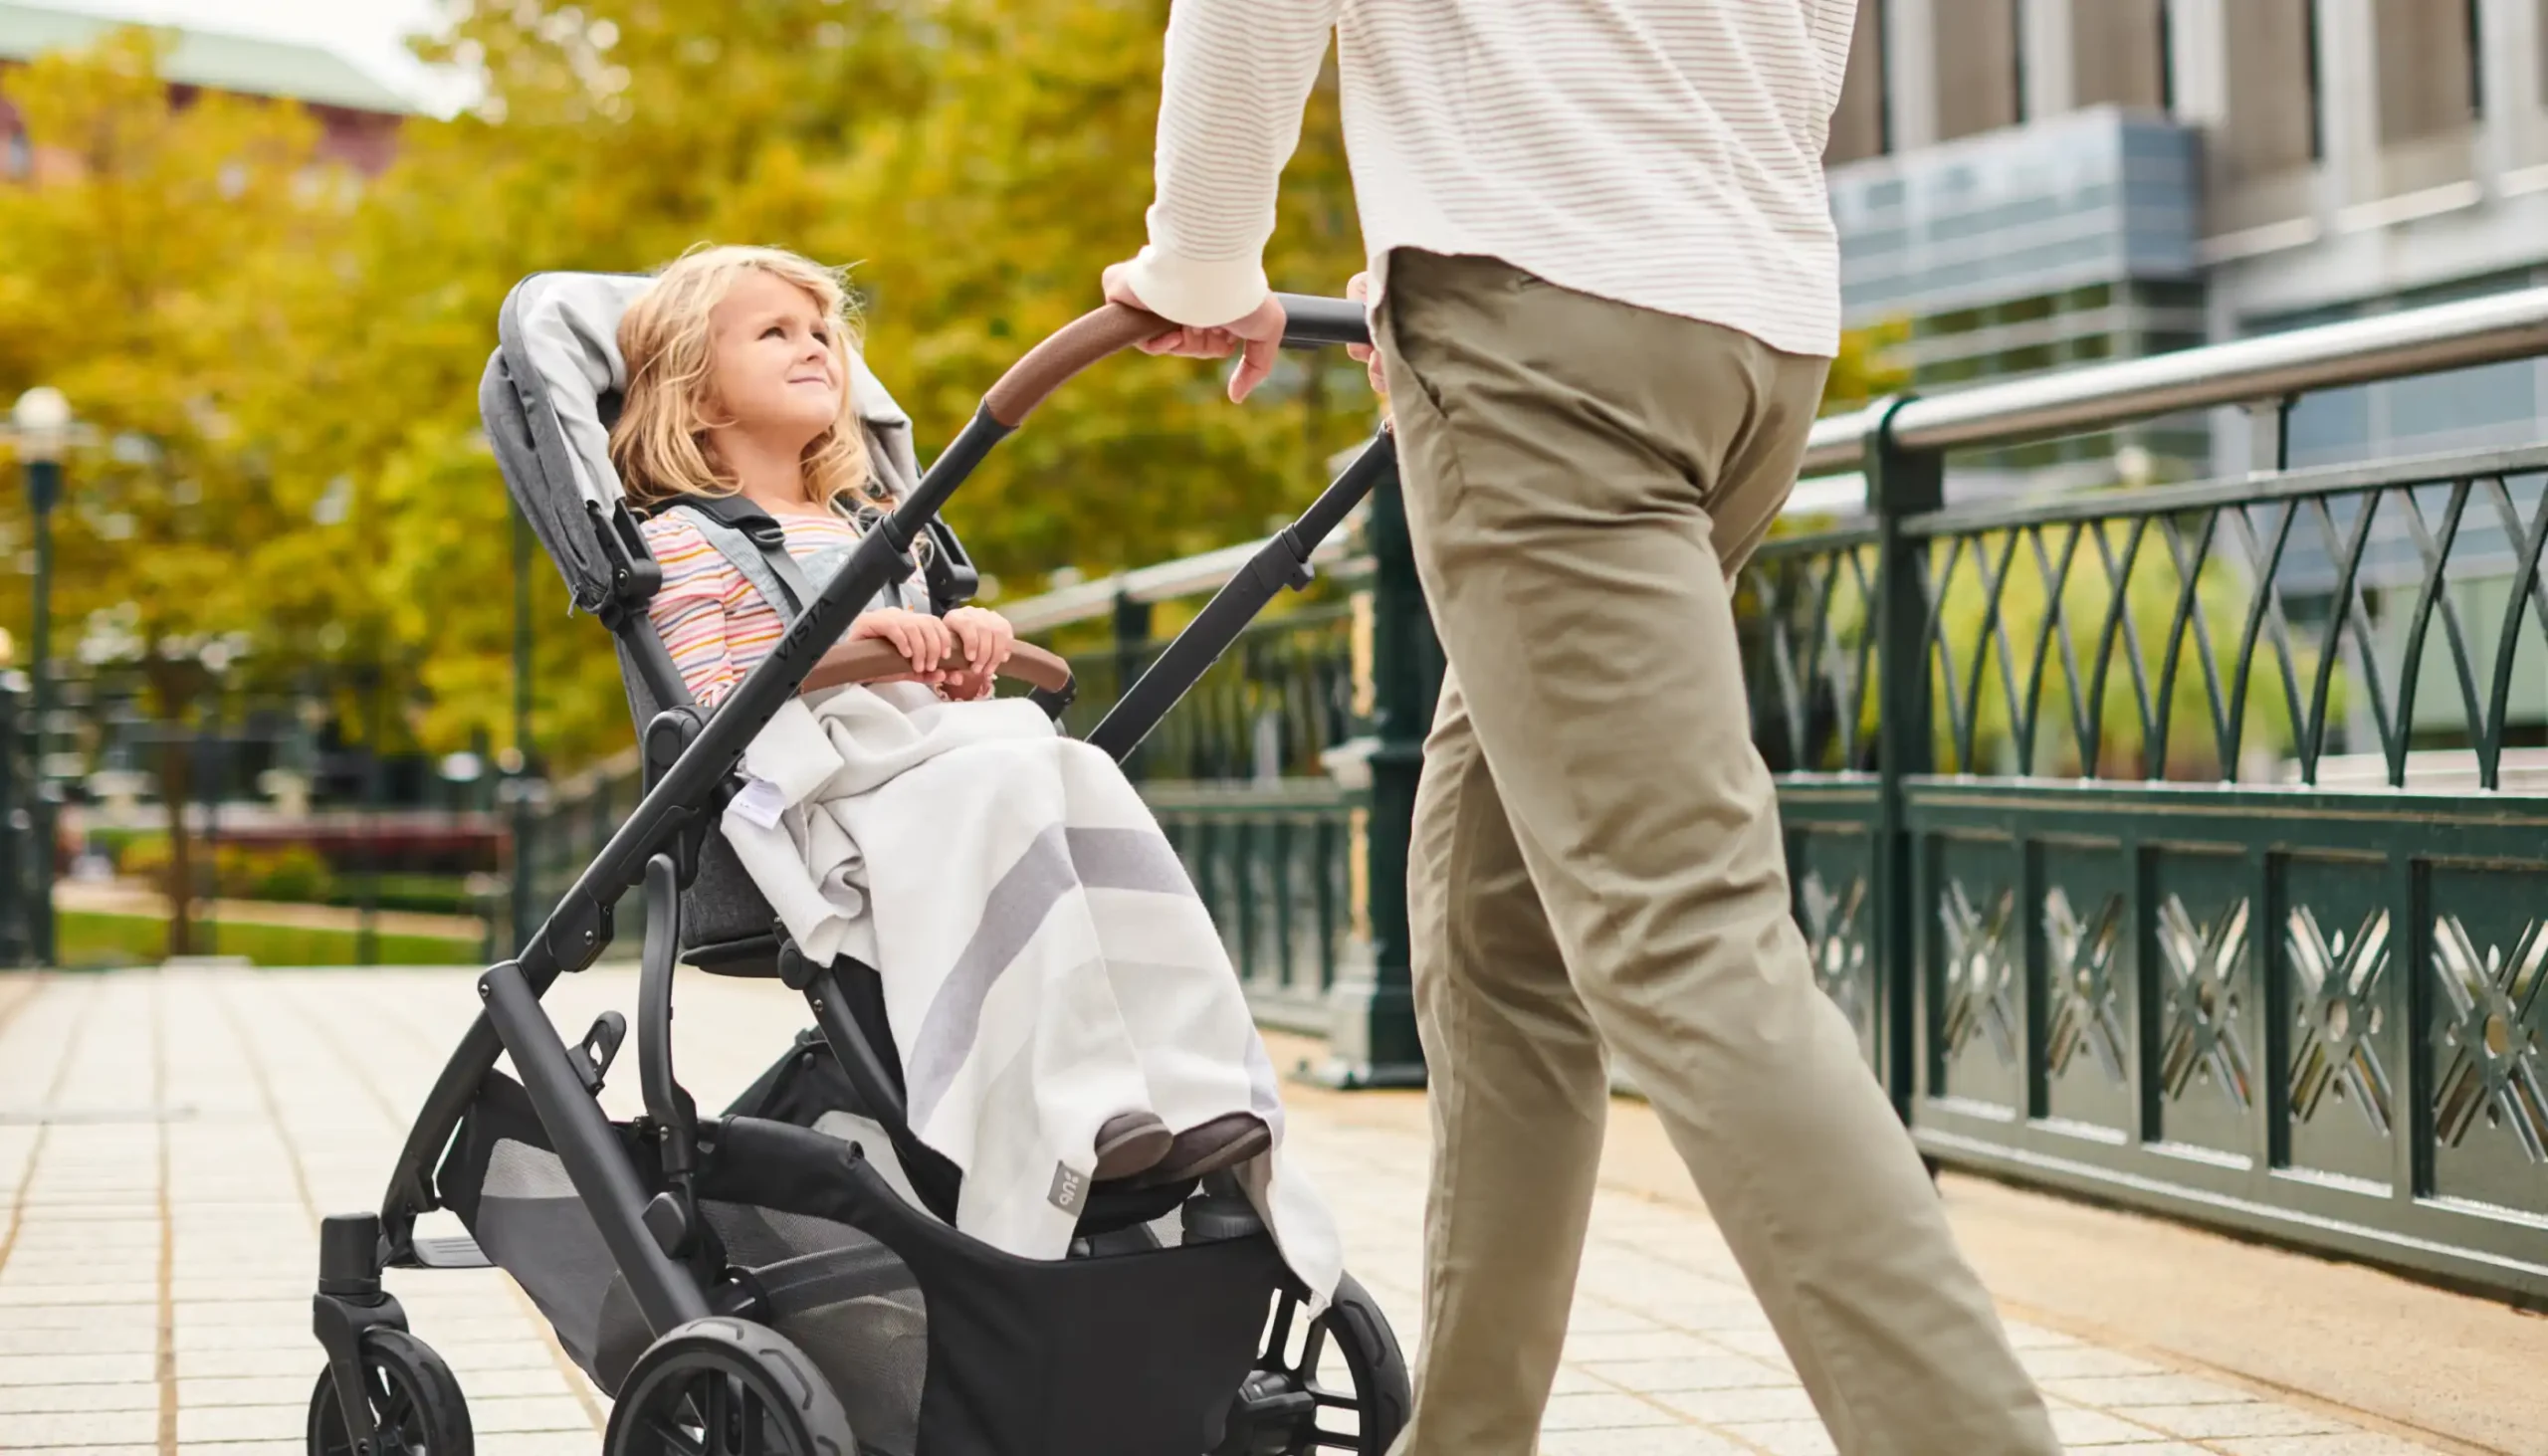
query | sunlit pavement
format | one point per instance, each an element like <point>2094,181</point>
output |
<point>168,1141</point>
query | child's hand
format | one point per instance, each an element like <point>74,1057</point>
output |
<point>923,640</point>
<point>988,642</point>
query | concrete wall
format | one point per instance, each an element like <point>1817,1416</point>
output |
<point>1976,66</point>
<point>2114,54</point>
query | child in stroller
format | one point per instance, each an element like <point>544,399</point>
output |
<point>755,1281</point>
<point>738,392</point>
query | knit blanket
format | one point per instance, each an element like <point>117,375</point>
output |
<point>1046,961</point>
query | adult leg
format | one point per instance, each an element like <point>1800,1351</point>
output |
<point>1563,455</point>
<point>1518,1091</point>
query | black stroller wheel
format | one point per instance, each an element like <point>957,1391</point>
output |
<point>1287,1407</point>
<point>415,1402</point>
<point>723,1387</point>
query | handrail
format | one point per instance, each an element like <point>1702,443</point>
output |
<point>1840,442</point>
<point>2265,369</point>
<point>1163,581</point>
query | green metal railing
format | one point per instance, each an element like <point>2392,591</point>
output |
<point>26,880</point>
<point>2134,830</point>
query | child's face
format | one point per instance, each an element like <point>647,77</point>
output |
<point>776,368</point>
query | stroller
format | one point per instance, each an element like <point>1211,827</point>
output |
<point>786,1278</point>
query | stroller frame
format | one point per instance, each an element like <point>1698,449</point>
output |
<point>652,1225</point>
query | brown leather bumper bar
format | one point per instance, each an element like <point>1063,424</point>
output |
<point>1309,322</point>
<point>871,659</point>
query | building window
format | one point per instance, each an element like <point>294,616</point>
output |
<point>1862,125</point>
<point>2475,21</point>
<point>17,158</point>
<point>2164,24</point>
<point>2317,123</point>
<point>2482,407</point>
<point>1884,68</point>
<point>2017,61</point>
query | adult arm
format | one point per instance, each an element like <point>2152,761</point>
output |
<point>1238,73</point>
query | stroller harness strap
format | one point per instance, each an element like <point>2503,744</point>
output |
<point>753,543</point>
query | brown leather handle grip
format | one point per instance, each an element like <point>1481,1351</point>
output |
<point>871,659</point>
<point>1050,364</point>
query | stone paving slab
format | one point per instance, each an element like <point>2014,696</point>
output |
<point>169,1139</point>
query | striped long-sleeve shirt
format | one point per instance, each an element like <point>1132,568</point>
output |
<point>1664,154</point>
<point>712,620</point>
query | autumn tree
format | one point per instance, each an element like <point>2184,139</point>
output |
<point>976,163</point>
<point>148,275</point>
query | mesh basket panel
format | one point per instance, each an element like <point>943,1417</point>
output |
<point>755,1236</point>
<point>848,1303</point>
<point>874,1351</point>
<point>533,1225</point>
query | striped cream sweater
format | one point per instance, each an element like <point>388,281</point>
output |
<point>1665,153</point>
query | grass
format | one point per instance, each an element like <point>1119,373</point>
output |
<point>424,894</point>
<point>87,940</point>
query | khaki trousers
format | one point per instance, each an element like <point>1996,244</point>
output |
<point>1597,865</point>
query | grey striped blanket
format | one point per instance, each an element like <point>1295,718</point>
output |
<point>1046,961</point>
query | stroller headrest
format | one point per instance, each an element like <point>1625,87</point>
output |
<point>559,351</point>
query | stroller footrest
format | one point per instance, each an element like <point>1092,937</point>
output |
<point>456,1251</point>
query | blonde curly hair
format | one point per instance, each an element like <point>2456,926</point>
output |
<point>659,444</point>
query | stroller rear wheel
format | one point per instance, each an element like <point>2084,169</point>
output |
<point>1286,1406</point>
<point>720,1388</point>
<point>415,1403</point>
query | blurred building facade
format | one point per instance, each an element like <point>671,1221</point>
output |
<point>2030,183</point>
<point>358,114</point>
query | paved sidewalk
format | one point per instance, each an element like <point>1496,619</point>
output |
<point>168,1141</point>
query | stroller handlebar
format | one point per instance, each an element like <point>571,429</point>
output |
<point>868,659</point>
<point>1310,322</point>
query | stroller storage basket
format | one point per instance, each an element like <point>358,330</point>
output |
<point>932,1340</point>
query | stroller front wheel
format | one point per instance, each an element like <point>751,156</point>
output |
<point>1287,1407</point>
<point>722,1386</point>
<point>416,1405</point>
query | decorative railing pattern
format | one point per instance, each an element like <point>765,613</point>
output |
<point>2175,633</point>
<point>1269,710</point>
<point>2156,842</point>
<point>2203,633</point>
<point>1806,610</point>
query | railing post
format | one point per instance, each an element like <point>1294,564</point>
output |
<point>368,907</point>
<point>1131,642</point>
<point>1372,1040</point>
<point>17,832</point>
<point>1900,484</point>
<point>208,779</point>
